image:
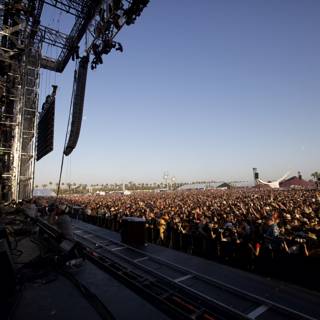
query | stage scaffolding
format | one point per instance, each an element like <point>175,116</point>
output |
<point>19,81</point>
<point>28,109</point>
<point>23,39</point>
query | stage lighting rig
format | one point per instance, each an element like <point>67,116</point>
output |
<point>135,10</point>
<point>102,19</point>
<point>110,20</point>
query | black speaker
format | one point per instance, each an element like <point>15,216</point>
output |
<point>45,134</point>
<point>256,175</point>
<point>77,108</point>
<point>133,231</point>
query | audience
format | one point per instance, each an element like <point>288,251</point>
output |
<point>263,230</point>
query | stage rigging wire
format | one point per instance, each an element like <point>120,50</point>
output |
<point>69,119</point>
<point>68,127</point>
<point>56,49</point>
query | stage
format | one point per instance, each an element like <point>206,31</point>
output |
<point>152,282</point>
<point>188,267</point>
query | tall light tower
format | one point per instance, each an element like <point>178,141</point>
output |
<point>173,181</point>
<point>255,175</point>
<point>166,178</point>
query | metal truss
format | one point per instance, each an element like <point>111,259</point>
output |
<point>73,7</point>
<point>52,37</point>
<point>84,11</point>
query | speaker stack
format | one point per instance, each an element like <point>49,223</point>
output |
<point>133,231</point>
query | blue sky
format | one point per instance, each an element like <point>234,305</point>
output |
<point>204,89</point>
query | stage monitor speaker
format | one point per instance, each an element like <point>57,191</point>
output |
<point>77,108</point>
<point>133,231</point>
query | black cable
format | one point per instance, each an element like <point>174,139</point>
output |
<point>11,234</point>
<point>15,303</point>
<point>92,298</point>
<point>17,252</point>
<point>68,127</point>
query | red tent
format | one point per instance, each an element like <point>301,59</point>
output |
<point>297,182</point>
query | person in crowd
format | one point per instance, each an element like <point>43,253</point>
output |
<point>58,216</point>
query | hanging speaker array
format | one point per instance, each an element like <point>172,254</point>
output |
<point>77,108</point>
<point>46,125</point>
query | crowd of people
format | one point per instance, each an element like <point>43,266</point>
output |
<point>259,230</point>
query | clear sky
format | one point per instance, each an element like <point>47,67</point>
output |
<point>204,89</point>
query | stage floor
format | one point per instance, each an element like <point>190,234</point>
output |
<point>287,295</point>
<point>59,299</point>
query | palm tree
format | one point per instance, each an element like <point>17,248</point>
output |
<point>44,186</point>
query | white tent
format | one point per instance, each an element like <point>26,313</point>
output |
<point>43,193</point>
